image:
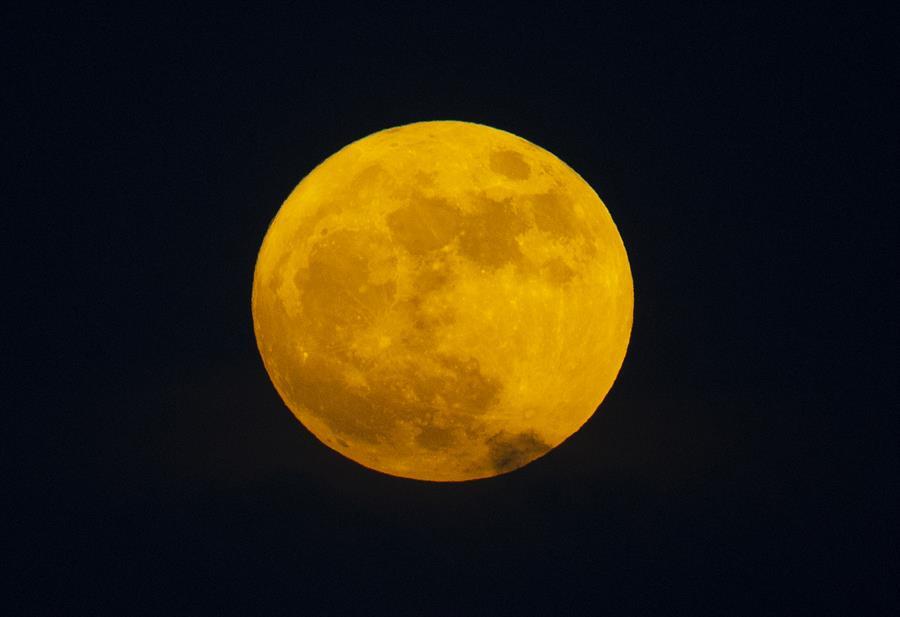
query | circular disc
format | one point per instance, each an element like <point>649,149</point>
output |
<point>442,301</point>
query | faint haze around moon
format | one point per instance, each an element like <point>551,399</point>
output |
<point>442,301</point>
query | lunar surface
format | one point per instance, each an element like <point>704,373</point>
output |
<point>442,301</point>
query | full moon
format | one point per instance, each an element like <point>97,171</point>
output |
<point>442,301</point>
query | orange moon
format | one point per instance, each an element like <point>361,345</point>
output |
<point>442,301</point>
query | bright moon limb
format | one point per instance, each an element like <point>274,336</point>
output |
<point>442,301</point>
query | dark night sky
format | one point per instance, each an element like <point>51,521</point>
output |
<point>745,460</point>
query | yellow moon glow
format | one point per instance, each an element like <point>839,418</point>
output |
<point>442,301</point>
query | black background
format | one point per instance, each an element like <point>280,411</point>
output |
<point>745,460</point>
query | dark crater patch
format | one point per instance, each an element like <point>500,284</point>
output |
<point>510,164</point>
<point>347,411</point>
<point>367,179</point>
<point>489,237</point>
<point>510,451</point>
<point>431,276</point>
<point>425,178</point>
<point>438,383</point>
<point>557,272</point>
<point>425,224</point>
<point>338,295</point>
<point>420,336</point>
<point>435,438</point>
<point>464,387</point>
<point>553,214</point>
<point>414,393</point>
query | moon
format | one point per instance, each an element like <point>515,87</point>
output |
<point>442,301</point>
